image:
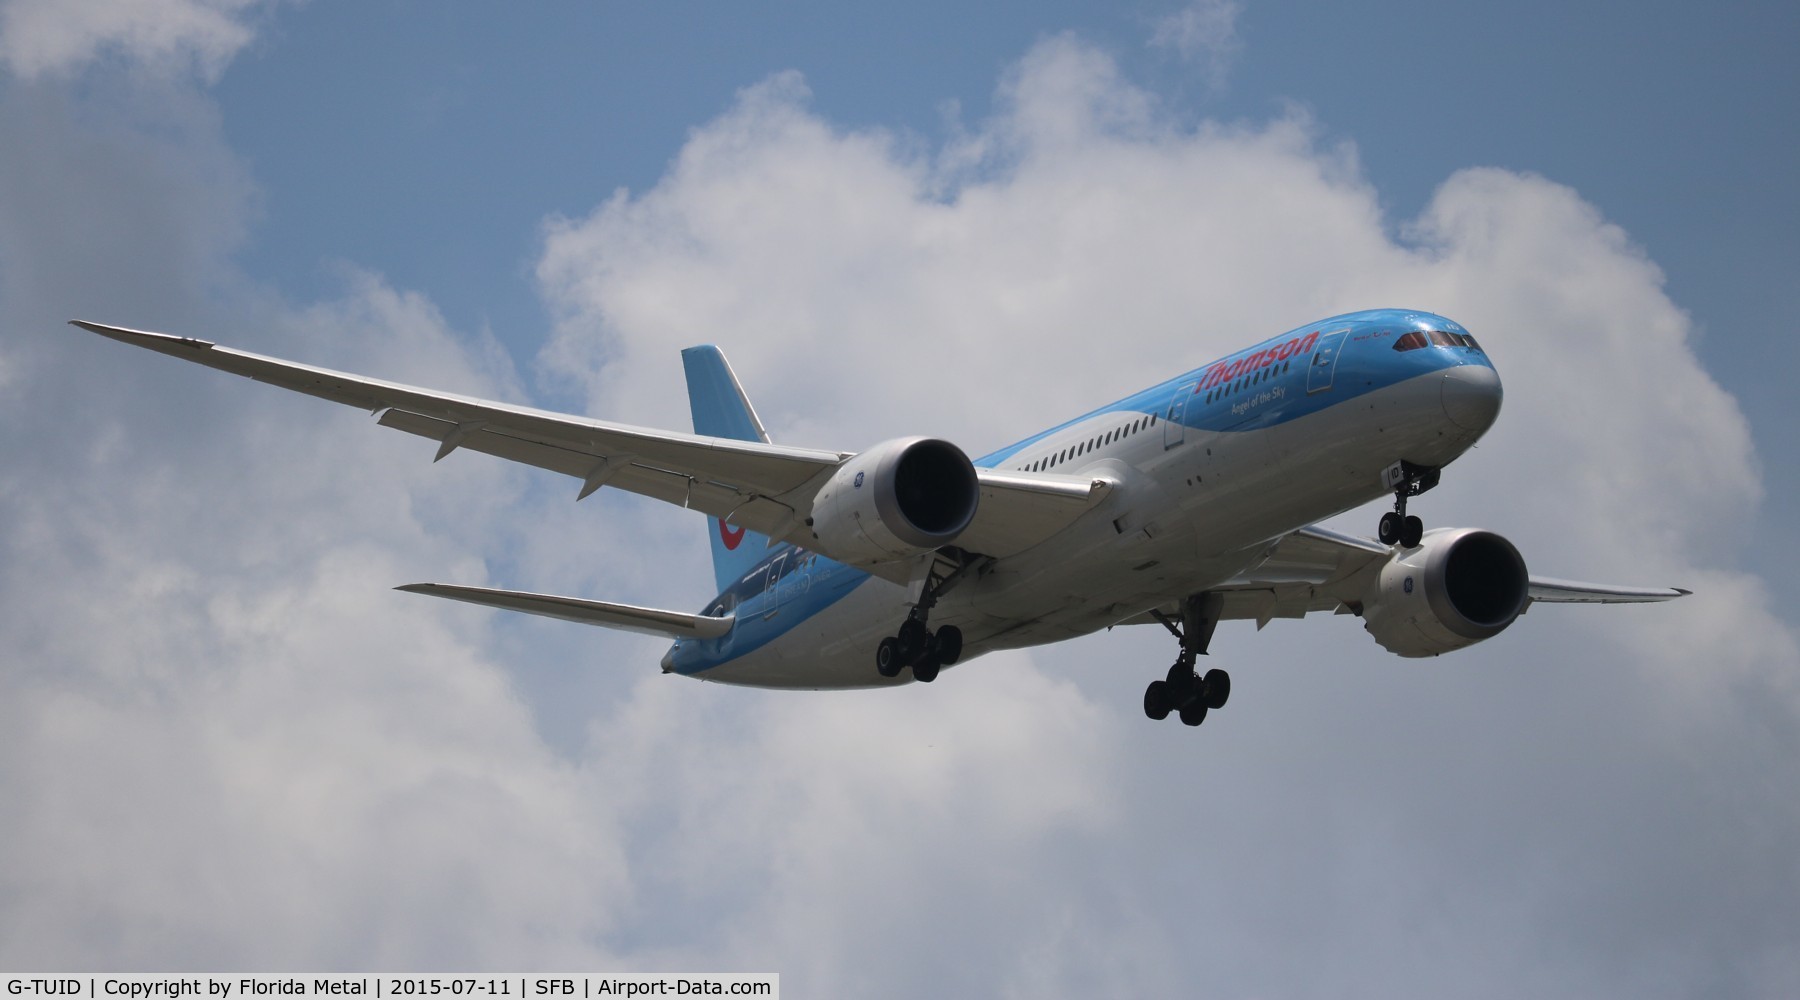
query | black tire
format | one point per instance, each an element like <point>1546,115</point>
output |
<point>1157,703</point>
<point>946,645</point>
<point>1389,531</point>
<point>1179,677</point>
<point>887,658</point>
<point>1217,688</point>
<point>926,670</point>
<point>1411,532</point>
<point>1193,713</point>
<point>912,639</point>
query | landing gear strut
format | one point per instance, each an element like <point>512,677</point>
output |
<point>1184,691</point>
<point>916,645</point>
<point>1408,480</point>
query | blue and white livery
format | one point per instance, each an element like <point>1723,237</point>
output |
<point>1191,502</point>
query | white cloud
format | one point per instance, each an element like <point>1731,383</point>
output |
<point>224,742</point>
<point>54,37</point>
<point>1092,247</point>
<point>1203,32</point>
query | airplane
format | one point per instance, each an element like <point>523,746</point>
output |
<point>1192,502</point>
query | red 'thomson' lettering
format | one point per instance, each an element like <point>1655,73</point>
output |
<point>1225,371</point>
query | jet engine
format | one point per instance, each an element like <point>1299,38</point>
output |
<point>1456,588</point>
<point>897,499</point>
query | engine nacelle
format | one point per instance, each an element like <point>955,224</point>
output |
<point>1458,587</point>
<point>897,499</point>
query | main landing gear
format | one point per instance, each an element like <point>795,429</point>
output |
<point>1408,480</point>
<point>916,645</point>
<point>1184,691</point>
<point>919,647</point>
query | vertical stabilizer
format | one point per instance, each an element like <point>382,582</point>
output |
<point>722,410</point>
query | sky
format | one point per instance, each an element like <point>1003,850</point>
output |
<point>226,743</point>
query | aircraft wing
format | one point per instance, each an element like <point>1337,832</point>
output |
<point>767,488</point>
<point>1551,591</point>
<point>1316,570</point>
<point>649,621</point>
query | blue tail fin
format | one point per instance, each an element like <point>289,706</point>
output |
<point>722,410</point>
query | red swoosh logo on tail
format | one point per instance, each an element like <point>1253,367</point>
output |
<point>730,536</point>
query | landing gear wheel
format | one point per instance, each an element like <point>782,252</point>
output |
<point>1157,703</point>
<point>1184,690</point>
<point>887,658</point>
<point>946,645</point>
<point>912,639</point>
<point>1391,527</point>
<point>926,670</point>
<point>1216,688</point>
<point>1411,532</point>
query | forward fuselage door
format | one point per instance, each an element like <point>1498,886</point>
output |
<point>1174,430</point>
<point>1324,360</point>
<point>773,592</point>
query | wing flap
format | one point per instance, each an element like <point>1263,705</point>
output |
<point>1020,510</point>
<point>625,617</point>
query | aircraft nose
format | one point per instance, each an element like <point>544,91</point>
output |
<point>1471,396</point>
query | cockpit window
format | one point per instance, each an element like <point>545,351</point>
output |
<point>1416,339</point>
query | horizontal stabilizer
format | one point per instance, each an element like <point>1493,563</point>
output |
<point>650,621</point>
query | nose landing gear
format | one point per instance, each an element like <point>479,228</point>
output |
<point>1184,691</point>
<point>1407,480</point>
